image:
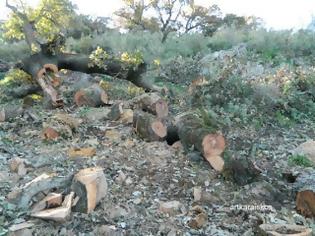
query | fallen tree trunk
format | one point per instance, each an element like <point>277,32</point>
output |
<point>192,133</point>
<point>93,96</point>
<point>149,127</point>
<point>305,198</point>
<point>39,64</point>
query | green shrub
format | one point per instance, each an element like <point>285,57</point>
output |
<point>300,160</point>
<point>12,52</point>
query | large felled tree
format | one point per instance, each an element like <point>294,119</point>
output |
<point>40,27</point>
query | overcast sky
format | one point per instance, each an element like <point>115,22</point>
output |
<point>277,14</point>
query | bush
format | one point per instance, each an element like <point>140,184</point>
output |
<point>12,52</point>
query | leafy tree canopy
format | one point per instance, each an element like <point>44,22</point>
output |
<point>48,19</point>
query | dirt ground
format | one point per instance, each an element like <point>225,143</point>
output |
<point>141,176</point>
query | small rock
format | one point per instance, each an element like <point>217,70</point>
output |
<point>107,230</point>
<point>137,201</point>
<point>307,149</point>
<point>136,193</point>
<point>171,208</point>
<point>194,156</point>
<point>14,164</point>
<point>197,194</point>
<point>129,181</point>
<point>121,177</point>
<point>117,212</point>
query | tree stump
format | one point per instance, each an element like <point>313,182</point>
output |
<point>149,127</point>
<point>93,96</point>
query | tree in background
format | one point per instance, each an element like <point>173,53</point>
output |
<point>83,25</point>
<point>166,16</point>
<point>133,16</point>
<point>47,20</point>
<point>311,26</point>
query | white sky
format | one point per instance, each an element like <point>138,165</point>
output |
<point>277,14</point>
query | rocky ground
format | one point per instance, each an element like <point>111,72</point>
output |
<point>153,188</point>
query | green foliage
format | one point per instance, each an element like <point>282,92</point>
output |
<point>50,17</point>
<point>98,57</point>
<point>12,52</point>
<point>146,43</point>
<point>14,78</point>
<point>300,160</point>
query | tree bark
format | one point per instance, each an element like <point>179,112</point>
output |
<point>149,127</point>
<point>152,103</point>
<point>305,198</point>
<point>39,64</point>
<point>192,133</point>
<point>93,96</point>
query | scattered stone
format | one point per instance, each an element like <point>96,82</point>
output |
<point>306,149</point>
<point>197,194</point>
<point>171,208</point>
<point>121,177</point>
<point>284,229</point>
<point>199,218</point>
<point>81,152</point>
<point>108,230</point>
<point>17,165</point>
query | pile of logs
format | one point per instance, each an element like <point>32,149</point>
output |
<point>152,122</point>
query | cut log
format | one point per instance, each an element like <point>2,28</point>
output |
<point>305,198</point>
<point>152,103</point>
<point>149,127</point>
<point>116,111</point>
<point>192,133</point>
<point>39,184</point>
<point>283,230</point>
<point>52,200</point>
<point>91,186</point>
<point>59,214</point>
<point>93,96</point>
<point>10,112</point>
